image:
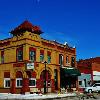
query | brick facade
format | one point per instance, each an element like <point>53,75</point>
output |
<point>16,53</point>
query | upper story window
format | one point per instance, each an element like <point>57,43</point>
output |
<point>2,57</point>
<point>20,54</point>
<point>73,61</point>
<point>67,60</point>
<point>48,57</point>
<point>41,55</point>
<point>32,54</point>
<point>61,59</point>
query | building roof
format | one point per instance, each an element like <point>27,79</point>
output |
<point>91,60</point>
<point>26,26</point>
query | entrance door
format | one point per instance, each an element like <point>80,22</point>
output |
<point>46,79</point>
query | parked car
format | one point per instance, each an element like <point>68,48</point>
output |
<point>94,88</point>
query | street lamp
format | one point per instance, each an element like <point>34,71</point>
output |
<point>45,77</point>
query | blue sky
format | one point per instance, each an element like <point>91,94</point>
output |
<point>74,21</point>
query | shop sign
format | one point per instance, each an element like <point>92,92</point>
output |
<point>30,65</point>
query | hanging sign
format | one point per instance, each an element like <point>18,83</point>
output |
<point>30,65</point>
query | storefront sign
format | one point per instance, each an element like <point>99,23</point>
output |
<point>30,65</point>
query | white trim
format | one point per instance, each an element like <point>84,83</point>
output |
<point>16,81</point>
<point>6,79</point>
<point>35,81</point>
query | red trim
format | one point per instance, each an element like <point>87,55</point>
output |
<point>39,84</point>
<point>25,87</point>
<point>19,74</point>
<point>32,49</point>
<point>34,74</point>
<point>52,85</point>
<point>48,53</point>
<point>36,63</point>
<point>13,86</point>
<point>41,51</point>
<point>6,74</point>
<point>31,74</point>
<point>18,65</point>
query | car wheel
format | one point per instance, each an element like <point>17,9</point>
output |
<point>90,91</point>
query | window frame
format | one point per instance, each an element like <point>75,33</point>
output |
<point>67,59</point>
<point>41,57</point>
<point>49,58</point>
<point>6,85</point>
<point>19,79</point>
<point>73,61</point>
<point>19,54</point>
<point>61,59</point>
<point>34,80</point>
<point>32,57</point>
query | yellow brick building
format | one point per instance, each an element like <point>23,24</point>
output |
<point>22,57</point>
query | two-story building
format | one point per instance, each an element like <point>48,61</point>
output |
<point>90,72</point>
<point>29,63</point>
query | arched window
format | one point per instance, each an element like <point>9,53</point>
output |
<point>73,61</point>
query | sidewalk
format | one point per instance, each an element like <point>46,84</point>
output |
<point>4,96</point>
<point>50,96</point>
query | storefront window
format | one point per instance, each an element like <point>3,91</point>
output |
<point>6,82</point>
<point>32,82</point>
<point>18,82</point>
